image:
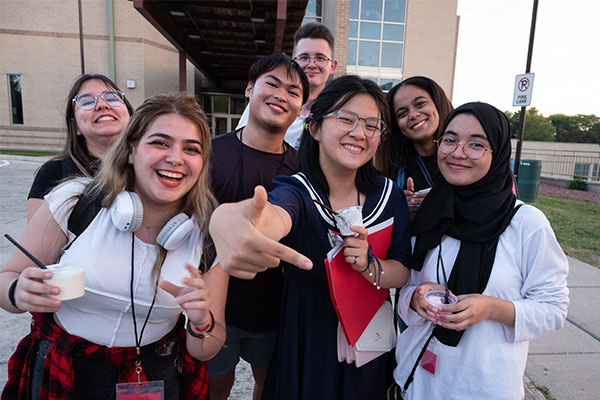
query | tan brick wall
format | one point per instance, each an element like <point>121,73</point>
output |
<point>431,40</point>
<point>39,39</point>
<point>335,16</point>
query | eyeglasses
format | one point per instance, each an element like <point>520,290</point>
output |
<point>348,120</point>
<point>88,101</point>
<point>320,60</point>
<point>473,149</point>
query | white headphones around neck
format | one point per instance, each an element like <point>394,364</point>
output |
<point>126,213</point>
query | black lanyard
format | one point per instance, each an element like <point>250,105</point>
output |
<point>138,341</point>
<point>424,170</point>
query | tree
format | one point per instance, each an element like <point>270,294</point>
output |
<point>580,128</point>
<point>537,127</point>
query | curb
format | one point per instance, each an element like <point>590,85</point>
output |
<point>531,392</point>
<point>40,159</point>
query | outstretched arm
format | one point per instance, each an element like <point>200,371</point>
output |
<point>246,236</point>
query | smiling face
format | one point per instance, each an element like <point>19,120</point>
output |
<point>101,125</point>
<point>456,167</point>
<point>346,151</point>
<point>167,161</point>
<point>275,99</point>
<point>416,113</point>
<point>317,76</point>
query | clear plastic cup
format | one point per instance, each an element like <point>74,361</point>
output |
<point>70,278</point>
<point>437,298</point>
<point>347,217</point>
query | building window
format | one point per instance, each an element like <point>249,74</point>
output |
<point>314,12</point>
<point>225,112</point>
<point>596,172</point>
<point>581,171</point>
<point>376,36</point>
<point>16,100</point>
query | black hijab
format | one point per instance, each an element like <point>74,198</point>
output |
<point>475,214</point>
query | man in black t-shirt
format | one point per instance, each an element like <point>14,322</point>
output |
<point>241,160</point>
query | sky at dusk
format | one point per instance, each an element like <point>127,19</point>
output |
<point>492,49</point>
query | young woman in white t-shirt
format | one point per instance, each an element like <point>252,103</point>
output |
<point>142,253</point>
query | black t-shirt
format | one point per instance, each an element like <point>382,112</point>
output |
<point>50,174</point>
<point>236,169</point>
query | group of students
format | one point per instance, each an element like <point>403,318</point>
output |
<point>265,297</point>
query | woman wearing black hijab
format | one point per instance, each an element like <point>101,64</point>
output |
<point>498,256</point>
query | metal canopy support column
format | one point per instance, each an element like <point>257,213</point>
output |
<point>182,72</point>
<point>280,25</point>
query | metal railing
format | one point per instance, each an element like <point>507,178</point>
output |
<point>566,163</point>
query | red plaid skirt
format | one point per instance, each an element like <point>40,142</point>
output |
<point>58,376</point>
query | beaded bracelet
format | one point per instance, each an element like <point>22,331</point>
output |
<point>378,269</point>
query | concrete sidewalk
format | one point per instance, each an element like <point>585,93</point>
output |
<point>566,362</point>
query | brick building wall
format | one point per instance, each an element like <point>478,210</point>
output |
<point>40,41</point>
<point>431,40</point>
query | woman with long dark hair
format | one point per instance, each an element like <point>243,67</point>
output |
<point>418,107</point>
<point>96,113</point>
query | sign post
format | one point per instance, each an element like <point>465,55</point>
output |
<point>523,84</point>
<point>523,90</point>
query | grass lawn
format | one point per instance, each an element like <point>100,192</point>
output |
<point>28,153</point>
<point>576,225</point>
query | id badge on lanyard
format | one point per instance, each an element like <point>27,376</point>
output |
<point>152,390</point>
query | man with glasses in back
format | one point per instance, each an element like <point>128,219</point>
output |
<point>313,51</point>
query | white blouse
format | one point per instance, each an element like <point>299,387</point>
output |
<point>103,315</point>
<point>530,270</point>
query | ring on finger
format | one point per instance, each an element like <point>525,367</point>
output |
<point>355,259</point>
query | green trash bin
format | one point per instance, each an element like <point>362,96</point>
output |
<point>528,180</point>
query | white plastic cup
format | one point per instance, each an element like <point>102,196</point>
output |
<point>70,278</point>
<point>347,217</point>
<point>437,298</point>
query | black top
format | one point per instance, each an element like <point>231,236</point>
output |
<point>50,174</point>
<point>254,304</point>
<point>417,171</point>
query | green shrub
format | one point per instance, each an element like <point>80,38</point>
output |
<point>578,184</point>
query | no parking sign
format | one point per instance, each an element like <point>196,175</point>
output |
<point>523,90</point>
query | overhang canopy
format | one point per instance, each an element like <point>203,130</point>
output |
<point>223,38</point>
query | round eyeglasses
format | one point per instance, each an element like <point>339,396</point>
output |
<point>88,101</point>
<point>473,149</point>
<point>348,120</point>
<point>319,60</point>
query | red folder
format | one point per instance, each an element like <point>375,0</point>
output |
<point>355,299</point>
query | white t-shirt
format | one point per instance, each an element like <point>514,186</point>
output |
<point>292,135</point>
<point>103,315</point>
<point>530,270</point>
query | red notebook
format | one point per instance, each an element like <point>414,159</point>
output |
<point>355,299</point>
